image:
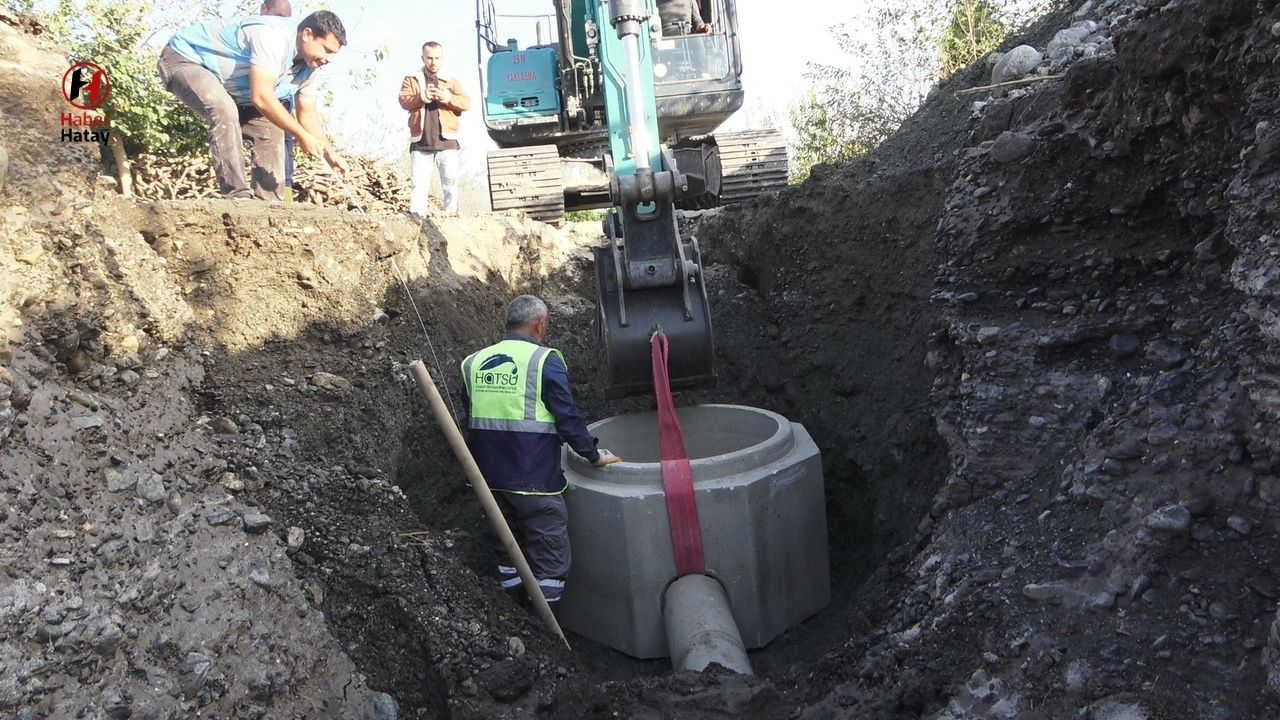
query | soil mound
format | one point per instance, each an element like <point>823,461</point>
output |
<point>1067,292</point>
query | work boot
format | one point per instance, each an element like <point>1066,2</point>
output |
<point>518,595</point>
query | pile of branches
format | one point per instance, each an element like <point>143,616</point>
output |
<point>24,21</point>
<point>377,186</point>
<point>157,177</point>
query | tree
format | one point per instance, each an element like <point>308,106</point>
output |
<point>974,30</point>
<point>898,50</point>
<point>838,122</point>
<point>895,51</point>
<point>118,34</point>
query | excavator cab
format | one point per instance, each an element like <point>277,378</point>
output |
<point>689,59</point>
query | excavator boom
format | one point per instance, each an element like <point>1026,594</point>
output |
<point>608,112</point>
<point>648,278</point>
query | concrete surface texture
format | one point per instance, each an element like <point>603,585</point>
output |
<point>759,490</point>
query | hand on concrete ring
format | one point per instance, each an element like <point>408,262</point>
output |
<point>606,458</point>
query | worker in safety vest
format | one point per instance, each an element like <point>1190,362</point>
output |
<point>521,410</point>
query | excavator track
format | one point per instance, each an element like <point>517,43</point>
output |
<point>527,180</point>
<point>751,163</point>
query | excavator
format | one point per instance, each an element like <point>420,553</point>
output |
<point>614,114</point>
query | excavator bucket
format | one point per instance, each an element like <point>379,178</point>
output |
<point>628,319</point>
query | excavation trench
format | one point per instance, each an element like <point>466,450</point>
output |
<point>768,530</point>
<point>287,335</point>
<point>305,339</point>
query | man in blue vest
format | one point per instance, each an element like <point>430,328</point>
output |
<point>521,409</point>
<point>236,73</point>
<point>283,8</point>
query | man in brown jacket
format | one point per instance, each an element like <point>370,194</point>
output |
<point>434,101</point>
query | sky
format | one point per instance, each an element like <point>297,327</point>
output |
<point>775,49</point>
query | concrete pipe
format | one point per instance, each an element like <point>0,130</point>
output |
<point>700,626</point>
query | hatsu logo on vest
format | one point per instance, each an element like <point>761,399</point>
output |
<point>85,87</point>
<point>493,372</point>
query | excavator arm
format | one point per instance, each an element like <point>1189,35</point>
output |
<point>648,277</point>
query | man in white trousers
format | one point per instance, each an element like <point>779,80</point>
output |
<point>435,101</point>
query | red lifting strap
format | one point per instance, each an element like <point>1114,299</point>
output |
<point>677,476</point>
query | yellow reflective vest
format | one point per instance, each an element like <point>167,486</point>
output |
<point>512,432</point>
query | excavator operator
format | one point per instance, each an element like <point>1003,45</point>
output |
<point>682,17</point>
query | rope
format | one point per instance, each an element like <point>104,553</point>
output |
<point>435,360</point>
<point>677,474</point>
